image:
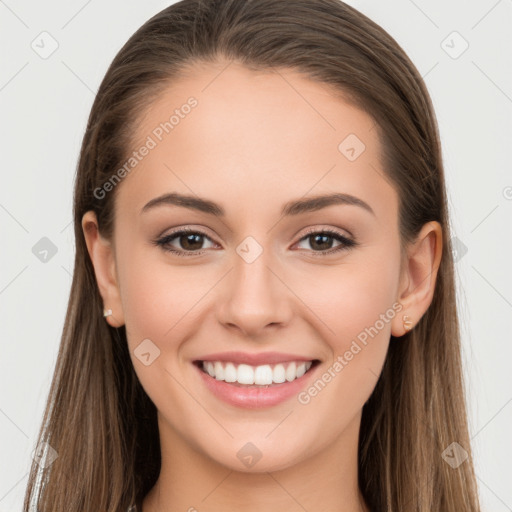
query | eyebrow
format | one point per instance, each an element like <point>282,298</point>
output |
<point>295,207</point>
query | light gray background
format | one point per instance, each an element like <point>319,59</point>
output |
<point>45,104</point>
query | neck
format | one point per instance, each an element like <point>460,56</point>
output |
<point>191,481</point>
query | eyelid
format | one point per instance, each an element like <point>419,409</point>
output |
<point>315,228</point>
<point>346,242</point>
<point>187,227</point>
<point>175,233</point>
<point>329,229</point>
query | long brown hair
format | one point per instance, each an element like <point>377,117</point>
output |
<point>99,420</point>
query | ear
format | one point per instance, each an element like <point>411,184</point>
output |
<point>418,278</point>
<point>103,260</point>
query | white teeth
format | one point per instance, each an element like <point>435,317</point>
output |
<point>219,370</point>
<point>291,372</point>
<point>263,375</point>
<point>301,369</point>
<point>245,374</point>
<point>230,373</point>
<point>209,368</point>
<point>279,374</point>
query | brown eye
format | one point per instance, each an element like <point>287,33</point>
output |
<point>321,242</point>
<point>182,242</point>
<point>191,242</point>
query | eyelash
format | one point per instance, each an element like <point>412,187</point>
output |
<point>346,243</point>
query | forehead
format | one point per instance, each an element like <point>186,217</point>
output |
<point>253,136</point>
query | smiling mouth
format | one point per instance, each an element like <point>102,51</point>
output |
<point>261,376</point>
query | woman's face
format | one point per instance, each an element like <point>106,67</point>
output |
<point>254,280</point>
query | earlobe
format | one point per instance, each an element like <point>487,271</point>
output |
<point>102,258</point>
<point>419,277</point>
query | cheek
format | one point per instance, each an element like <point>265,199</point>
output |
<point>352,296</point>
<point>155,295</point>
<point>359,302</point>
<point>357,305</point>
<point>160,304</point>
<point>158,299</point>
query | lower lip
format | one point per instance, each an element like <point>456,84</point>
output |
<point>255,397</point>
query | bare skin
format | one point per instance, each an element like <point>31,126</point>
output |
<point>252,144</point>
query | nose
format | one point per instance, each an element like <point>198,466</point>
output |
<point>254,297</point>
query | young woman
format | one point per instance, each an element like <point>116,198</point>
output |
<point>263,313</point>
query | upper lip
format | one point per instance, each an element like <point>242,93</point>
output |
<point>254,359</point>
